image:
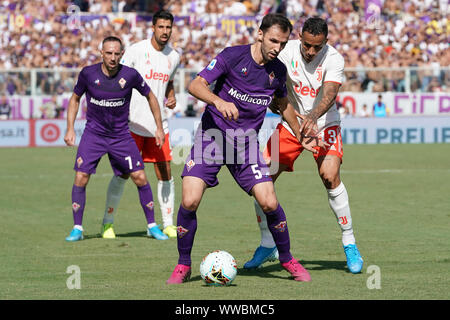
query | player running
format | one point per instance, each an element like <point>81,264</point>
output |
<point>108,86</point>
<point>157,63</point>
<point>247,79</point>
<point>315,73</point>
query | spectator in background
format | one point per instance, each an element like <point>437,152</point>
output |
<point>410,33</point>
<point>364,112</point>
<point>5,109</point>
<point>50,109</point>
<point>379,108</point>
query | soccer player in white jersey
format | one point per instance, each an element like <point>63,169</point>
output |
<point>315,74</point>
<point>157,62</point>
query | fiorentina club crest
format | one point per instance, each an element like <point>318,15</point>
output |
<point>150,205</point>
<point>181,231</point>
<point>75,206</point>
<point>190,164</point>
<point>319,73</point>
<point>122,82</point>
<point>79,161</point>
<point>271,77</point>
<point>281,226</point>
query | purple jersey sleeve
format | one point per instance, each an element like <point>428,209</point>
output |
<point>80,87</point>
<point>281,91</point>
<point>140,84</point>
<point>215,68</point>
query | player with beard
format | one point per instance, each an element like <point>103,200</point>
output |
<point>157,63</point>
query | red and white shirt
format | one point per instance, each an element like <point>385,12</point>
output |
<point>305,80</point>
<point>157,68</point>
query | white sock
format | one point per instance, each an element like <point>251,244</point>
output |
<point>78,227</point>
<point>166,199</point>
<point>113,196</point>
<point>338,200</point>
<point>266,236</point>
<point>151,225</point>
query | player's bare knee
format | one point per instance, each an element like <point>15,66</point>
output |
<point>139,178</point>
<point>330,181</point>
<point>190,203</point>
<point>81,179</point>
<point>268,205</point>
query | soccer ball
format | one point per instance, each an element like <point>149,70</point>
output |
<point>218,268</point>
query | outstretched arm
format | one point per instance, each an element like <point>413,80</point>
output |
<point>309,124</point>
<point>290,115</point>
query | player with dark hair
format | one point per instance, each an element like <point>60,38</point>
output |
<point>315,73</point>
<point>108,86</point>
<point>248,78</point>
<point>157,63</point>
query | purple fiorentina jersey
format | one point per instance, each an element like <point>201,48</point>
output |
<point>108,98</point>
<point>251,87</point>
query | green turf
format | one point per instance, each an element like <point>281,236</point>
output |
<point>399,196</point>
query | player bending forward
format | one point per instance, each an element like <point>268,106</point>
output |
<point>248,78</point>
<point>315,73</point>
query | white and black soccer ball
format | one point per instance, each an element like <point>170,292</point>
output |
<point>218,268</point>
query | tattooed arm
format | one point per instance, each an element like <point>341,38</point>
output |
<point>309,124</point>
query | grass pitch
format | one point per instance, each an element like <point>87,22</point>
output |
<point>399,197</point>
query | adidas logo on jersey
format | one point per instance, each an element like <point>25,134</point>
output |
<point>305,90</point>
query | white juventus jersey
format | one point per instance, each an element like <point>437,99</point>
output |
<point>305,80</point>
<point>157,68</point>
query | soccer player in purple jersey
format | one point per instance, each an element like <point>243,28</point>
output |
<point>108,87</point>
<point>249,78</point>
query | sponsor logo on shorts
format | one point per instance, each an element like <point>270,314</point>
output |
<point>112,103</point>
<point>75,206</point>
<point>281,227</point>
<point>181,231</point>
<point>262,100</point>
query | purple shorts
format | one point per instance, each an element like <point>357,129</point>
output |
<point>211,150</point>
<point>122,152</point>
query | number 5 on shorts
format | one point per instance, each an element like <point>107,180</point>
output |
<point>256,171</point>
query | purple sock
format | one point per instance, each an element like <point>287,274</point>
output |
<point>146,198</point>
<point>186,228</point>
<point>276,220</point>
<point>78,202</point>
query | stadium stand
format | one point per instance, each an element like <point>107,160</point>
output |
<point>409,34</point>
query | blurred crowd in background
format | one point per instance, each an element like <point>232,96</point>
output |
<point>56,34</point>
